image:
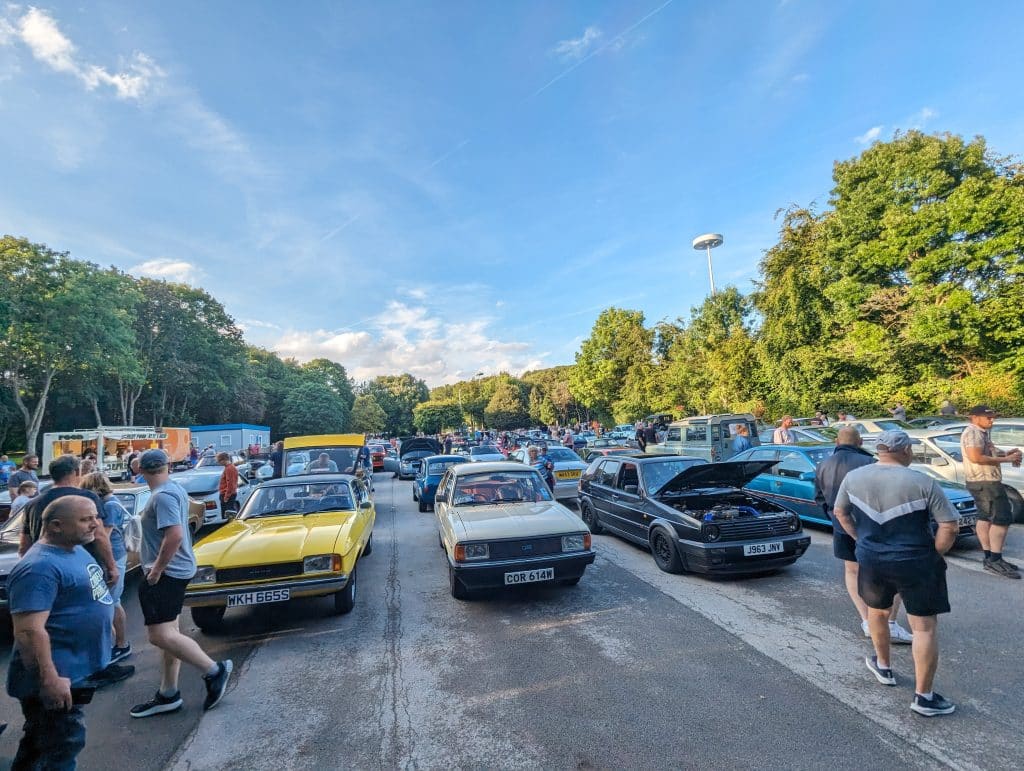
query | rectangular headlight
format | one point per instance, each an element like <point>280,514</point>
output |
<point>321,563</point>
<point>205,574</point>
<point>575,542</point>
<point>471,551</point>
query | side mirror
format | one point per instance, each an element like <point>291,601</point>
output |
<point>938,460</point>
<point>806,476</point>
<point>366,504</point>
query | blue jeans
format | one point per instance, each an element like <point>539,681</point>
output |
<point>52,738</point>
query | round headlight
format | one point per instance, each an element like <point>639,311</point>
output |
<point>794,523</point>
<point>712,533</point>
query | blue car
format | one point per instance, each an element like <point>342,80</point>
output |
<point>428,477</point>
<point>791,482</point>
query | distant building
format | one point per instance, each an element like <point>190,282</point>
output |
<point>230,437</point>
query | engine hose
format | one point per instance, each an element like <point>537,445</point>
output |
<point>750,510</point>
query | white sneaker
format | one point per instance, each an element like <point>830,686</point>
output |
<point>898,635</point>
<point>864,628</point>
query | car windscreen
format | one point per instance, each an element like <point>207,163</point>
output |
<point>484,449</point>
<point>320,460</point>
<point>500,487</point>
<point>308,498</point>
<point>440,466</point>
<point>892,425</point>
<point>562,454</point>
<point>199,483</point>
<point>127,500</point>
<point>658,473</point>
<point>950,444</point>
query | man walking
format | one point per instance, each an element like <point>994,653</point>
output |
<point>829,476</point>
<point>782,434</point>
<point>228,486</point>
<point>886,508</point>
<point>168,564</point>
<point>984,478</point>
<point>62,615</point>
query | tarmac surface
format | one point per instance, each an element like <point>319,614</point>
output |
<point>633,668</point>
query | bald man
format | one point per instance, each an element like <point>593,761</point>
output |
<point>848,455</point>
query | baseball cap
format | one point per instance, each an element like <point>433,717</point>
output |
<point>153,460</point>
<point>892,441</point>
<point>982,409</point>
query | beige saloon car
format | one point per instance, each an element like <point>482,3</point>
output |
<point>499,526</point>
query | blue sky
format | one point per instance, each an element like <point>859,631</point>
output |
<point>445,188</point>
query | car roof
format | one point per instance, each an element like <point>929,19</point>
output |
<point>927,433</point>
<point>429,458</point>
<point>647,457</point>
<point>483,468</point>
<point>300,479</point>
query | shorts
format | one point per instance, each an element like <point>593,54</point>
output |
<point>118,589</point>
<point>992,501</point>
<point>920,582</point>
<point>162,601</point>
<point>843,545</point>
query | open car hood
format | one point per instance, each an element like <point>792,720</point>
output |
<point>420,443</point>
<point>735,473</point>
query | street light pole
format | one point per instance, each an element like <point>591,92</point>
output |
<point>709,241</point>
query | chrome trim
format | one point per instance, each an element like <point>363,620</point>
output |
<point>559,557</point>
<point>318,583</point>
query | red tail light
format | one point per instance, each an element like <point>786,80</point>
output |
<point>210,505</point>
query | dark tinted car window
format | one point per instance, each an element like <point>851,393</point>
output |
<point>607,472</point>
<point>628,477</point>
<point>698,433</point>
<point>673,434</point>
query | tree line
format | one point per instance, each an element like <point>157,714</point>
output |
<point>908,285</point>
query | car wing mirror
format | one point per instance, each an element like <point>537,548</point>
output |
<point>366,504</point>
<point>807,476</point>
<point>939,461</point>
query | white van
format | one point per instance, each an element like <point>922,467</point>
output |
<point>706,436</point>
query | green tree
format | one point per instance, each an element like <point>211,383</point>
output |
<point>313,408</point>
<point>398,395</point>
<point>367,416</point>
<point>432,417</point>
<point>507,409</point>
<point>332,375</point>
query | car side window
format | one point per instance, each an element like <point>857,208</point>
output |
<point>629,479</point>
<point>1007,435</point>
<point>793,464</point>
<point>609,469</point>
<point>765,455</point>
<point>923,453</point>
<point>442,489</point>
<point>697,433</point>
<point>673,434</point>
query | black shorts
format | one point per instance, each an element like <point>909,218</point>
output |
<point>843,545</point>
<point>992,501</point>
<point>920,582</point>
<point>163,601</point>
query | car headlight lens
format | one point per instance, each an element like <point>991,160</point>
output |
<point>205,574</point>
<point>321,563</point>
<point>580,542</point>
<point>712,533</point>
<point>471,551</point>
<point>794,523</point>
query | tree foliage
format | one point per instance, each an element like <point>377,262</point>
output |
<point>368,417</point>
<point>314,408</point>
<point>397,395</point>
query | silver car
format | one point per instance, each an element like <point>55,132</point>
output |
<point>568,468</point>
<point>203,484</point>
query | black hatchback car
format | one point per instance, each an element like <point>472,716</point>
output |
<point>692,515</point>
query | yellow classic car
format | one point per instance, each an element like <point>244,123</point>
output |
<point>500,525</point>
<point>300,536</point>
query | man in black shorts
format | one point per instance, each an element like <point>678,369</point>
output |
<point>827,479</point>
<point>168,564</point>
<point>886,507</point>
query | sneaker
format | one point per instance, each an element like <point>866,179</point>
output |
<point>884,676</point>
<point>936,705</point>
<point>217,684</point>
<point>117,654</point>
<point>1007,562</point>
<point>1001,568</point>
<point>158,705</point>
<point>865,629</point>
<point>899,635</point>
<point>113,673</point>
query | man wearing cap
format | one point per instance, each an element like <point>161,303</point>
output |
<point>168,564</point>
<point>984,478</point>
<point>886,508</point>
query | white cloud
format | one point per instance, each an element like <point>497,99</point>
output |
<point>869,136</point>
<point>181,271</point>
<point>409,339</point>
<point>576,48</point>
<point>39,31</point>
<point>920,118</point>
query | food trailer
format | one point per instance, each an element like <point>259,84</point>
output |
<point>113,444</point>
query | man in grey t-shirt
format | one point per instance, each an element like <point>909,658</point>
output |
<point>984,478</point>
<point>168,564</point>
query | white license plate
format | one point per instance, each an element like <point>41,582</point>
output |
<point>529,576</point>
<point>968,521</point>
<point>259,598</point>
<point>757,549</point>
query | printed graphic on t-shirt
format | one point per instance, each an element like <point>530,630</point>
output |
<point>99,586</point>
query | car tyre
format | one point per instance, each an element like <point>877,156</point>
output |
<point>459,590</point>
<point>423,505</point>
<point>664,551</point>
<point>368,549</point>
<point>590,518</point>
<point>208,619</point>
<point>570,581</point>
<point>414,496</point>
<point>345,600</point>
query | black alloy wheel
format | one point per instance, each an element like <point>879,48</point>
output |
<point>590,518</point>
<point>664,551</point>
<point>208,619</point>
<point>345,600</point>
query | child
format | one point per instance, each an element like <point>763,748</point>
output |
<point>26,492</point>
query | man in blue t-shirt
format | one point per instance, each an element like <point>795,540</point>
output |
<point>887,508</point>
<point>62,614</point>
<point>7,468</point>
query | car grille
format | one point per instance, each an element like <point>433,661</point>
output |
<point>259,572</point>
<point>748,530</point>
<point>530,547</point>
